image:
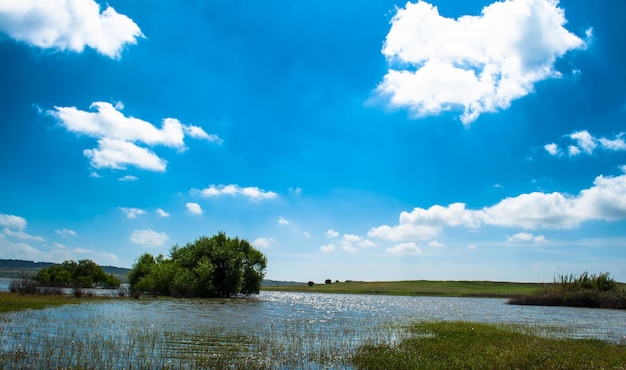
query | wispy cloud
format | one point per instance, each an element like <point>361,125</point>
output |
<point>148,238</point>
<point>14,226</point>
<point>132,213</point>
<point>68,25</point>
<point>250,192</point>
<point>526,238</point>
<point>404,248</point>
<point>65,232</point>
<point>128,178</point>
<point>162,213</point>
<point>476,63</point>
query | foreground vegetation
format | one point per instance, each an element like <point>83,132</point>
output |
<point>584,290</point>
<point>461,345</point>
<point>418,288</point>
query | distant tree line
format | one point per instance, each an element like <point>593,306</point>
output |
<point>81,274</point>
<point>218,266</point>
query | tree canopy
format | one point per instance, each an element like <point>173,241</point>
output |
<point>84,274</point>
<point>218,266</point>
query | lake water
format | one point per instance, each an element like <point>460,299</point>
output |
<point>278,329</point>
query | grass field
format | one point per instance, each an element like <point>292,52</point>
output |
<point>419,287</point>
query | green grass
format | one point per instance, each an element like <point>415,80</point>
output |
<point>419,287</point>
<point>19,302</point>
<point>462,345</point>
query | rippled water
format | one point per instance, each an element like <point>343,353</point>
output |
<point>296,329</point>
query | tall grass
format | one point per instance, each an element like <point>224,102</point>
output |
<point>584,290</point>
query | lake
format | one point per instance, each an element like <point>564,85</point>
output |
<point>274,329</point>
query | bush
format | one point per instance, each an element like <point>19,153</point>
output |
<point>328,281</point>
<point>23,285</point>
<point>310,283</point>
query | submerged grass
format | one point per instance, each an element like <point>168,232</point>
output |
<point>418,288</point>
<point>462,345</point>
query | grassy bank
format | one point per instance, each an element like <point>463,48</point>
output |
<point>460,345</point>
<point>18,302</point>
<point>419,287</point>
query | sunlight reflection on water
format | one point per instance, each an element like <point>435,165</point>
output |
<point>278,324</point>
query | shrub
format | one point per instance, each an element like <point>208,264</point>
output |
<point>310,283</point>
<point>23,285</point>
<point>328,281</point>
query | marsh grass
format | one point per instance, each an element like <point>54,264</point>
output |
<point>462,345</point>
<point>17,302</point>
<point>94,340</point>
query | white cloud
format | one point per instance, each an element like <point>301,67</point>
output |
<point>350,242</point>
<point>162,213</point>
<point>198,133</point>
<point>68,25</point>
<point>604,201</point>
<point>282,221</point>
<point>14,227</point>
<point>332,233</point>
<point>573,150</point>
<point>117,154</point>
<point>194,208</point>
<point>552,149</point>
<point>251,192</point>
<point>119,137</point>
<point>148,238</point>
<point>424,224</point>
<point>306,234</point>
<point>128,178</point>
<point>132,212</point>
<point>436,244</point>
<point>585,141</point>
<point>21,234</point>
<point>13,222</point>
<point>476,63</point>
<point>404,248</point>
<point>617,144</point>
<point>525,238</point>
<point>65,232</point>
<point>263,242</point>
<point>328,248</point>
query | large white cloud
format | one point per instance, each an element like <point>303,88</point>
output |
<point>604,201</point>
<point>120,138</point>
<point>474,63</point>
<point>68,25</point>
<point>251,192</point>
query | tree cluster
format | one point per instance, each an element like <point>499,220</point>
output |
<point>84,274</point>
<point>218,266</point>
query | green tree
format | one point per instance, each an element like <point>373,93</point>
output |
<point>84,274</point>
<point>218,266</point>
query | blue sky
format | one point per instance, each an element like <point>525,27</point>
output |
<point>383,140</point>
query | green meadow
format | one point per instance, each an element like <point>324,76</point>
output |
<point>418,288</point>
